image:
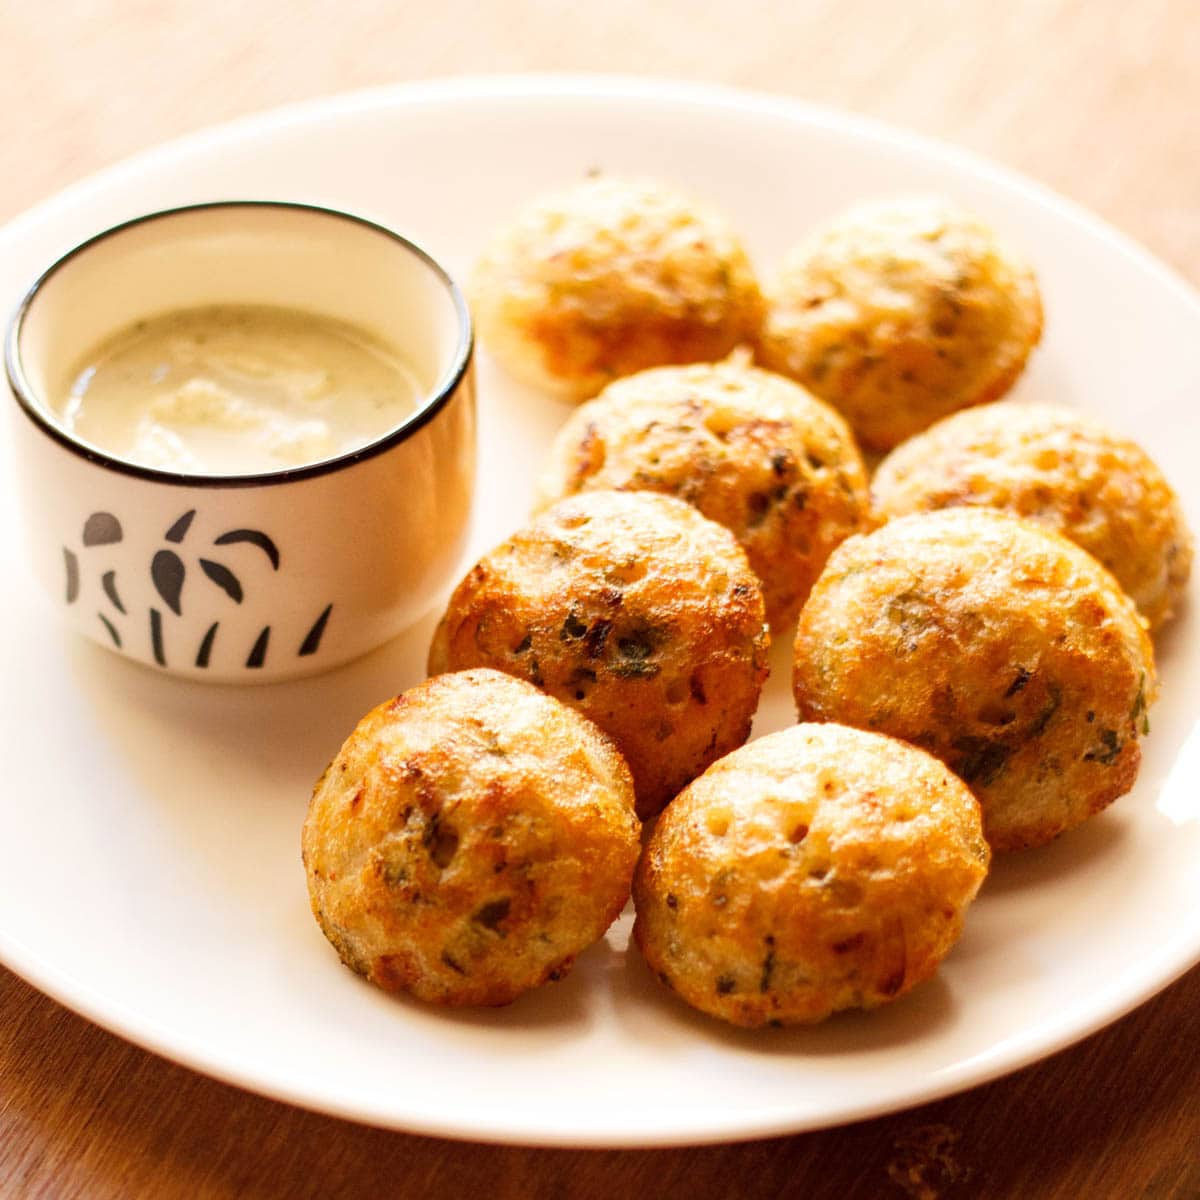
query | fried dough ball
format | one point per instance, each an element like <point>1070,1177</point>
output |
<point>814,870</point>
<point>900,312</point>
<point>1061,469</point>
<point>751,450</point>
<point>995,644</point>
<point>608,277</point>
<point>636,610</point>
<point>471,837</point>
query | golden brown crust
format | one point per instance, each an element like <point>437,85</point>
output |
<point>751,450</point>
<point>608,277</point>
<point>998,646</point>
<point>817,869</point>
<point>632,608</point>
<point>1061,469</point>
<point>469,839</point>
<point>900,312</point>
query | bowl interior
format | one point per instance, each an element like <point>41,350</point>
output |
<point>284,255</point>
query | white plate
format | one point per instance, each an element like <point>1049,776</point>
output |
<point>151,875</point>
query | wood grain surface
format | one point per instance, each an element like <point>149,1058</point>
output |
<point>1095,97</point>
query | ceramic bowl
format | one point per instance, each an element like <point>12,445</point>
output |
<point>246,578</point>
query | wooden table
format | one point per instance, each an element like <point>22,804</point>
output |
<point>1096,98</point>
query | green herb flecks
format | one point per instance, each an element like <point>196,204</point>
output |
<point>911,612</point>
<point>634,651</point>
<point>572,628</point>
<point>1053,702</point>
<point>1018,684</point>
<point>982,760</point>
<point>596,636</point>
<point>453,963</point>
<point>768,965</point>
<point>492,914</point>
<point>1106,753</point>
<point>1139,713</point>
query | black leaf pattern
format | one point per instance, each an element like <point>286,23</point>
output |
<point>178,531</point>
<point>101,529</point>
<point>312,639</point>
<point>224,578</point>
<point>156,638</point>
<point>258,655</point>
<point>167,572</point>
<point>71,562</point>
<point>256,538</point>
<point>109,582</point>
<point>206,645</point>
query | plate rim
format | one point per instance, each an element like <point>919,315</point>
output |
<point>445,88</point>
<point>1171,959</point>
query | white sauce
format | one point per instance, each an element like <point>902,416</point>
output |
<point>237,389</point>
